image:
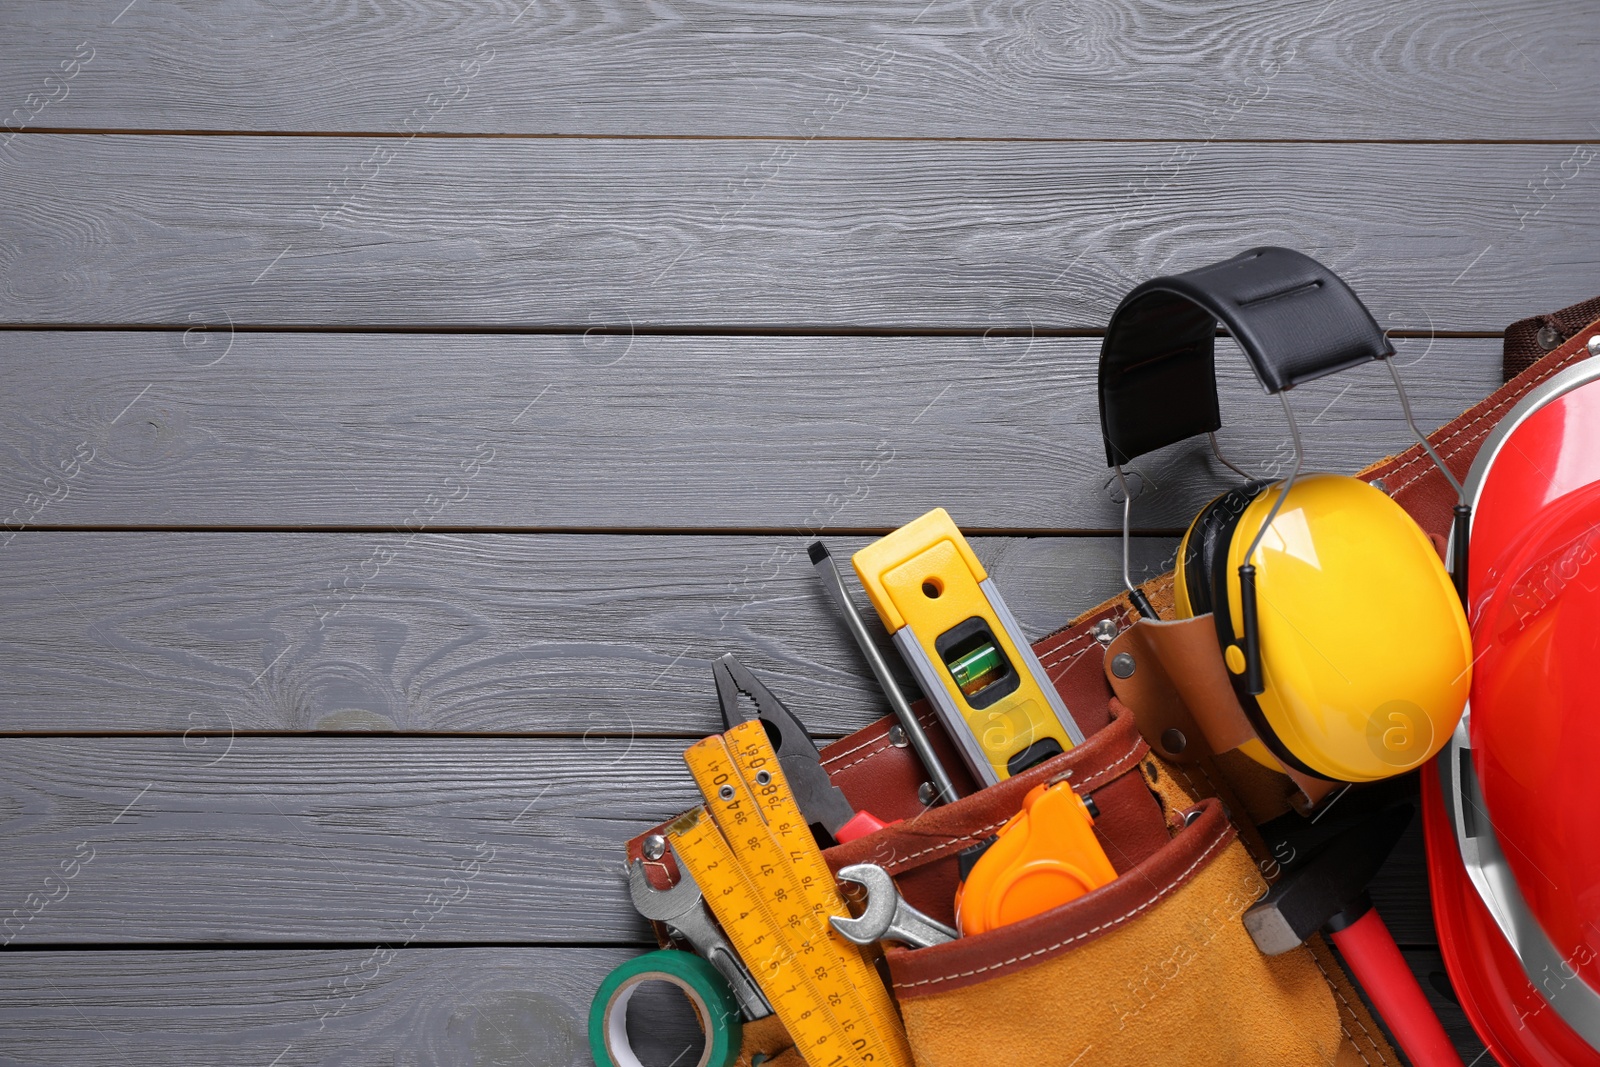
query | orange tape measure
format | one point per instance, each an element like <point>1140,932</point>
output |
<point>765,880</point>
<point>1045,856</point>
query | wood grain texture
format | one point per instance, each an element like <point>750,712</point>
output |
<point>689,166</point>
<point>489,1007</point>
<point>784,235</point>
<point>414,432</point>
<point>341,839</point>
<point>584,635</point>
<point>294,839</point>
<point>1401,888</point>
<point>897,68</point>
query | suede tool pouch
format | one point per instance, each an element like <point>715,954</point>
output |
<point>1153,967</point>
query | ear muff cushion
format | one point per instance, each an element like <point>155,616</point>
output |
<point>1208,538</point>
<point>1203,572</point>
<point>1223,517</point>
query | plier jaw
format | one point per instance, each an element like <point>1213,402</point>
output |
<point>789,735</point>
<point>822,803</point>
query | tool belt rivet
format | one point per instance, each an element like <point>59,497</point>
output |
<point>1122,665</point>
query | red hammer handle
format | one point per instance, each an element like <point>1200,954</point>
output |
<point>1369,949</point>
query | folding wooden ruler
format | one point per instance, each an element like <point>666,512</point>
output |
<point>760,870</point>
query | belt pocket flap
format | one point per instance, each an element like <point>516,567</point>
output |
<point>921,851</point>
<point>971,960</point>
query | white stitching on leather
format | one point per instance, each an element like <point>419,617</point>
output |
<point>1481,432</point>
<point>869,741</point>
<point>1058,654</point>
<point>1477,423</point>
<point>971,837</point>
<point>1194,787</point>
<point>886,746</point>
<point>1108,768</point>
<point>926,720</point>
<point>1326,977</point>
<point>1226,837</point>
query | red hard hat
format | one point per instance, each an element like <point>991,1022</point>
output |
<point>1512,804</point>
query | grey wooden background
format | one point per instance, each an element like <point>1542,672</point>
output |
<point>402,404</point>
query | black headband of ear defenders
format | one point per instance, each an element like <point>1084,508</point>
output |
<point>1294,318</point>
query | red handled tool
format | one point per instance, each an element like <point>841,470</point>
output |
<point>1328,891</point>
<point>1369,949</point>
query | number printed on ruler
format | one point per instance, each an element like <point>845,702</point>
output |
<point>758,765</point>
<point>792,879</point>
<point>802,958</point>
<point>756,936</point>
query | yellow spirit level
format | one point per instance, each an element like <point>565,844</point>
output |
<point>965,648</point>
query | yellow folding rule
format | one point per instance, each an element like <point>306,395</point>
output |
<point>760,870</point>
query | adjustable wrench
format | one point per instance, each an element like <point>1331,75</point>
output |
<point>686,915</point>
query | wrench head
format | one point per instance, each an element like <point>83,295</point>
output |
<point>882,899</point>
<point>662,905</point>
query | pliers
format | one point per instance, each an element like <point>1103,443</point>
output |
<point>821,802</point>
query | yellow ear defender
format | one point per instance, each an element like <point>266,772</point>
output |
<point>1341,629</point>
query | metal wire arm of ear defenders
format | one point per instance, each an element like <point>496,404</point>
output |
<point>1247,570</point>
<point>1463,510</point>
<point>1141,603</point>
<point>1216,450</point>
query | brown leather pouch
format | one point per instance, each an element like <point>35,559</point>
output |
<point>1154,968</point>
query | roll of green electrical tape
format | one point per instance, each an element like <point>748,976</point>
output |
<point>700,982</point>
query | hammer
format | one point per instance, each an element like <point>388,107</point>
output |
<point>1328,891</point>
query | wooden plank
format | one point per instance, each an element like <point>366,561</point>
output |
<point>298,1008</point>
<point>631,234</point>
<point>1400,891</point>
<point>532,432</point>
<point>897,68</point>
<point>448,1005</point>
<point>422,1005</point>
<point>577,634</point>
<point>346,840</point>
<point>337,839</point>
